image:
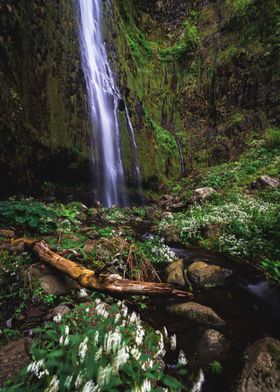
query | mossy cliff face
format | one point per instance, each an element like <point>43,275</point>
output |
<point>204,73</point>
<point>44,128</point>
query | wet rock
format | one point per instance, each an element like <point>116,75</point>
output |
<point>204,275</point>
<point>57,285</point>
<point>212,346</point>
<point>265,182</point>
<point>175,273</point>
<point>60,309</point>
<point>171,233</point>
<point>261,371</point>
<point>201,194</point>
<point>13,357</point>
<point>197,314</point>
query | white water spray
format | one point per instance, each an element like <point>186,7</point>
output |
<point>103,97</point>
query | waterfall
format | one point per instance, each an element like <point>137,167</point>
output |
<point>103,98</point>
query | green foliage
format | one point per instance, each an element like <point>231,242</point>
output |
<point>164,138</point>
<point>99,347</point>
<point>272,137</point>
<point>216,368</point>
<point>271,268</point>
<point>32,215</point>
<point>240,226</point>
<point>185,45</point>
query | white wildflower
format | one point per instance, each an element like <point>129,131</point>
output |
<point>120,359</point>
<point>165,332</point>
<point>57,318</point>
<point>90,386</point>
<point>135,353</point>
<point>112,341</point>
<point>82,293</point>
<point>104,375</point>
<point>68,382</point>
<point>66,331</point>
<point>38,368</point>
<point>145,387</point>
<point>173,342</point>
<point>182,359</point>
<point>140,333</point>
<point>54,385</point>
<point>79,380</point>
<point>161,350</point>
<point>83,349</point>
<point>98,354</point>
<point>117,318</point>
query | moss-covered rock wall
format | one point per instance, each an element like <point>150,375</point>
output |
<point>44,127</point>
<point>203,73</point>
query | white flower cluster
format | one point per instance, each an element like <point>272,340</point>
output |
<point>38,368</point>
<point>54,385</point>
<point>163,253</point>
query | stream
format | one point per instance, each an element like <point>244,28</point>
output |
<point>249,305</point>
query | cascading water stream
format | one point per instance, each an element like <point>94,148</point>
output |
<point>103,97</point>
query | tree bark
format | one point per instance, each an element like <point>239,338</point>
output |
<point>104,283</point>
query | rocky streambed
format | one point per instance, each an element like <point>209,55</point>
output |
<point>227,336</point>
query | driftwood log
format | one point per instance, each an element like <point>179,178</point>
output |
<point>89,279</point>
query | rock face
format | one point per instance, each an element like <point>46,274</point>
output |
<point>202,274</point>
<point>13,357</point>
<point>213,346</point>
<point>265,182</point>
<point>261,372</point>
<point>175,273</point>
<point>197,314</point>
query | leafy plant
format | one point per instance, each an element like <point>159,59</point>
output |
<point>216,368</point>
<point>95,348</point>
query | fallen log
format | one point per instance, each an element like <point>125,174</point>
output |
<point>89,279</point>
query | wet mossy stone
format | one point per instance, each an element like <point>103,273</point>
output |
<point>261,371</point>
<point>197,314</point>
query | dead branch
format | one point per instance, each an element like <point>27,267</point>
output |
<point>104,283</point>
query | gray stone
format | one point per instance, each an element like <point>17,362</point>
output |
<point>265,182</point>
<point>261,371</point>
<point>197,314</point>
<point>201,194</point>
<point>212,346</point>
<point>56,285</point>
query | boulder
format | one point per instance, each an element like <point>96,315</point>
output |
<point>212,346</point>
<point>265,182</point>
<point>57,285</point>
<point>13,357</point>
<point>202,274</point>
<point>175,273</point>
<point>197,314</point>
<point>201,194</point>
<point>171,233</point>
<point>261,371</point>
